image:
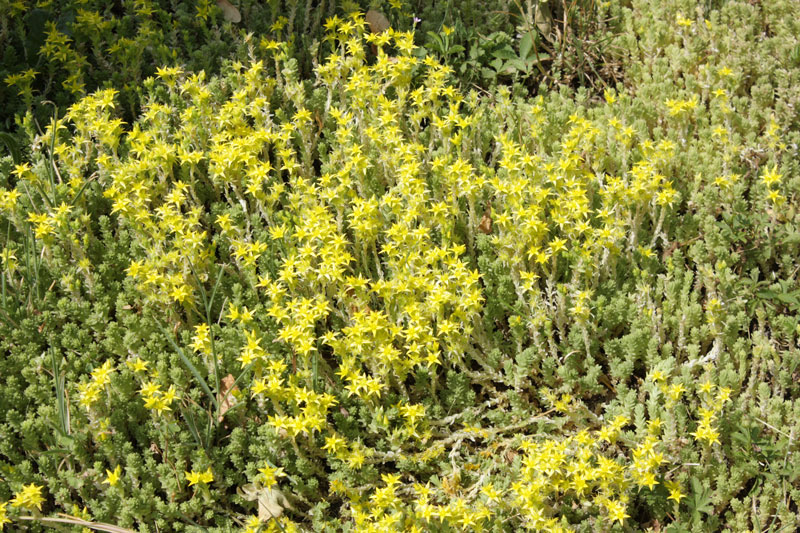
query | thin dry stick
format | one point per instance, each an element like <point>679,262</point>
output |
<point>99,526</point>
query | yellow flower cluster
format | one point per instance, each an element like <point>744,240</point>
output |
<point>30,497</point>
<point>8,200</point>
<point>589,466</point>
<point>712,405</point>
<point>90,391</point>
<point>23,81</point>
<point>770,177</point>
<point>58,51</point>
<point>3,515</point>
<point>353,454</point>
<point>553,468</point>
<point>681,107</point>
<point>203,478</point>
<point>157,399</point>
<point>164,227</point>
<point>311,407</point>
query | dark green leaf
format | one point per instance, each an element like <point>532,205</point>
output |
<point>526,45</point>
<point>11,145</point>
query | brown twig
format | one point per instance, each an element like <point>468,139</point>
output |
<point>99,526</point>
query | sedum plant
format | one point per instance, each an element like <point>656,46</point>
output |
<point>376,301</point>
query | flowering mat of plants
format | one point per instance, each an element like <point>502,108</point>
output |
<point>357,293</point>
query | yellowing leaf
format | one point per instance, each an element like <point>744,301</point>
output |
<point>226,397</point>
<point>271,501</point>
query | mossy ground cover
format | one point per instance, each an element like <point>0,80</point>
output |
<point>357,286</point>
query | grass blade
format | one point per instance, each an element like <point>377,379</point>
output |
<point>193,369</point>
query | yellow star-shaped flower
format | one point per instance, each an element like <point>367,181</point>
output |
<point>112,478</point>
<point>271,475</point>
